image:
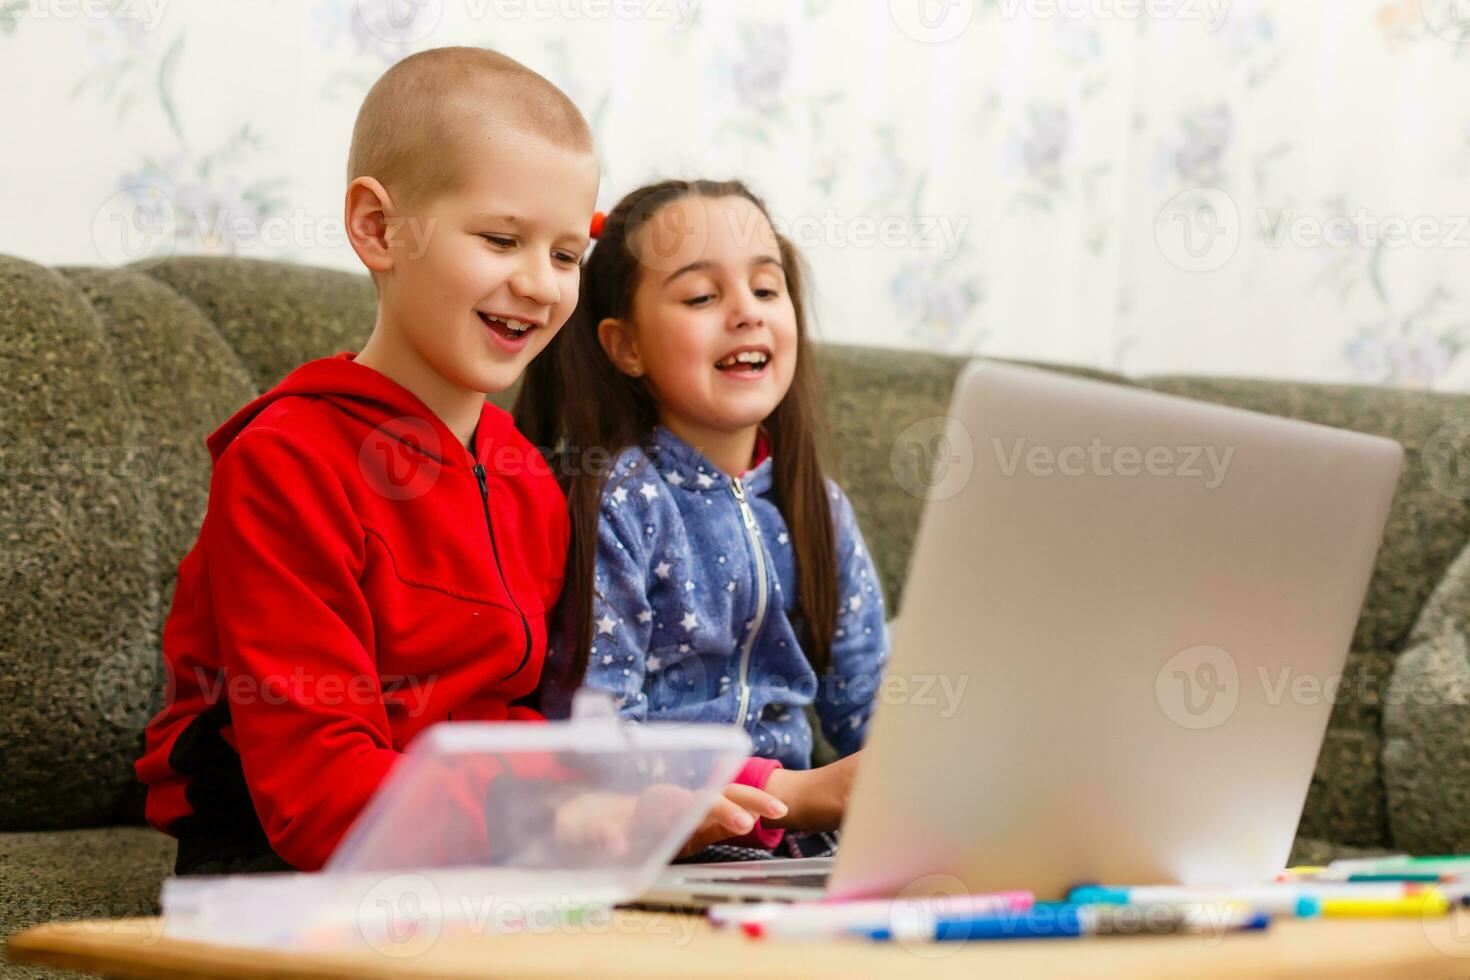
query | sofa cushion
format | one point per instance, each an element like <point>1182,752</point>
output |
<point>1426,723</point>
<point>79,531</point>
<point>183,381</point>
<point>79,874</point>
<point>1427,528</point>
<point>274,315</point>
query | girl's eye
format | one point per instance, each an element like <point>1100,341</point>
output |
<point>565,258</point>
<point>767,293</point>
<point>698,300</point>
<point>500,241</point>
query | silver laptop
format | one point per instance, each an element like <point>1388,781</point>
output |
<point>1145,603</point>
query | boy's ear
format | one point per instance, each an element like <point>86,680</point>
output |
<point>617,341</point>
<point>366,212</point>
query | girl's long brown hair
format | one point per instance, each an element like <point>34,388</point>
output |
<point>576,401</point>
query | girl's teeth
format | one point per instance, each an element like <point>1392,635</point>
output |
<point>510,323</point>
<point>744,357</point>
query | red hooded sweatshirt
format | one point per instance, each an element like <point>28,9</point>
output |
<point>359,576</point>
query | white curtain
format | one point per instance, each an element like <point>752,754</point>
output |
<point>1251,187</point>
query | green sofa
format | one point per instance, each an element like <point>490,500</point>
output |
<point>111,378</point>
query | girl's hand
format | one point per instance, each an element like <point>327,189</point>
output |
<point>815,798</point>
<point>732,815</point>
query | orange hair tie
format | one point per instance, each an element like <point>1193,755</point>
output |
<point>598,220</point>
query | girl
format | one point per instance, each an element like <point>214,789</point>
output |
<point>715,574</point>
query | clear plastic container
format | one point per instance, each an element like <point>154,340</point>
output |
<point>485,826</point>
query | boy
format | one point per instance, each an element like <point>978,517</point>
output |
<point>382,547</point>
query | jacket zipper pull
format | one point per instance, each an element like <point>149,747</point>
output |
<point>738,489</point>
<point>480,476</point>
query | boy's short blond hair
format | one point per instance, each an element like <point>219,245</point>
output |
<point>411,129</point>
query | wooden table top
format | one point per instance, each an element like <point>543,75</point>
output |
<point>651,944</point>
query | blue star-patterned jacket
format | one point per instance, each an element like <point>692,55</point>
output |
<point>695,602</point>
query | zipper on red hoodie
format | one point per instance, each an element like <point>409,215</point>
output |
<point>494,552</point>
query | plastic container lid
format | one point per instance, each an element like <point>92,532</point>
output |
<point>485,826</point>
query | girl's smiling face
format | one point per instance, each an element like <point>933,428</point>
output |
<point>712,328</point>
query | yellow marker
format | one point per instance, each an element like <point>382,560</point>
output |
<point>1427,902</point>
<point>1301,871</point>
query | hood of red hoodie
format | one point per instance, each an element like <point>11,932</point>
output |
<point>377,400</point>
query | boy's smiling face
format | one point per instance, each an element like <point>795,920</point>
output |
<point>483,276</point>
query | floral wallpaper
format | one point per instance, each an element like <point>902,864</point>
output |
<point>1251,187</point>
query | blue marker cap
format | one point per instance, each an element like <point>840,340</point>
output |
<point>1051,921</point>
<point>1098,895</point>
